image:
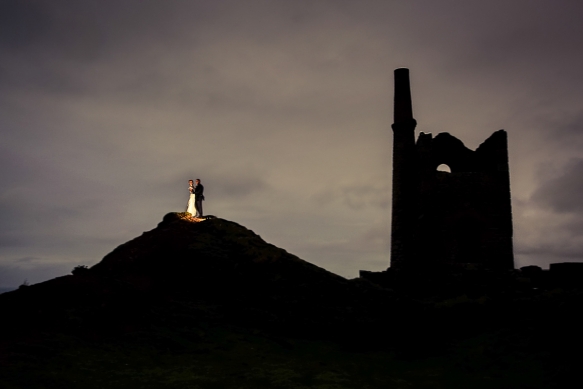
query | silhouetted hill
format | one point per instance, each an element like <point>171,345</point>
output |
<point>215,263</point>
<point>210,304</point>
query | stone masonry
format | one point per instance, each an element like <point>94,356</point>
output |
<point>441,218</point>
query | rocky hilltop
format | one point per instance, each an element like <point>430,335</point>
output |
<point>211,304</point>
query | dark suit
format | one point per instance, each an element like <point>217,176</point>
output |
<point>198,198</point>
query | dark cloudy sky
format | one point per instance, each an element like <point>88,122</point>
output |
<point>283,109</point>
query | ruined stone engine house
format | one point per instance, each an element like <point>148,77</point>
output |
<point>441,218</point>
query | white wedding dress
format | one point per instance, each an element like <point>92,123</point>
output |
<point>190,205</point>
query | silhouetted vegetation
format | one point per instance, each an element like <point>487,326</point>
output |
<point>80,270</point>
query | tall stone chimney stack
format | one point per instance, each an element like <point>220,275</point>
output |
<point>404,171</point>
<point>403,110</point>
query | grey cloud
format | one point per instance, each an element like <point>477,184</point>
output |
<point>544,235</point>
<point>22,23</point>
<point>565,128</point>
<point>63,47</point>
<point>237,187</point>
<point>561,251</point>
<point>551,235</point>
<point>563,193</point>
<point>16,273</point>
<point>346,255</point>
<point>11,239</point>
<point>26,260</point>
<point>281,108</point>
<point>66,27</point>
<point>355,196</point>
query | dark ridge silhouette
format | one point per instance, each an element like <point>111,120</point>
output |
<point>214,262</point>
<point>210,304</point>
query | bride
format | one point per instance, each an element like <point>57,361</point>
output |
<point>190,204</point>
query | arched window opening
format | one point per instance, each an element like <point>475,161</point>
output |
<point>443,168</point>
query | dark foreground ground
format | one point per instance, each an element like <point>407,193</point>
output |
<point>211,305</point>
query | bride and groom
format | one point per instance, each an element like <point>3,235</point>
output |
<point>195,199</point>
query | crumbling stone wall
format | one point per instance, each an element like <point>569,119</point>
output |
<point>442,218</point>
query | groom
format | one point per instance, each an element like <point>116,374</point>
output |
<point>198,198</point>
